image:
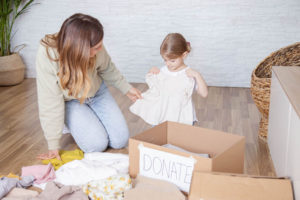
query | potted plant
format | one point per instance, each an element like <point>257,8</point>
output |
<point>12,68</point>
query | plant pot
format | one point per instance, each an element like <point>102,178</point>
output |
<point>12,70</point>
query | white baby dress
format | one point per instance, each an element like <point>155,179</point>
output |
<point>169,98</point>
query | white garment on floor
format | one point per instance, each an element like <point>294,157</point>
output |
<point>79,172</point>
<point>169,98</point>
<point>94,166</point>
<point>118,161</point>
<point>41,186</point>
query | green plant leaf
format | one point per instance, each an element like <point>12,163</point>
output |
<point>9,11</point>
<point>26,6</point>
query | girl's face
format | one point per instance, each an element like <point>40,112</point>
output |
<point>95,49</point>
<point>175,64</point>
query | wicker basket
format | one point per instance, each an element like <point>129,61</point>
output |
<point>12,70</point>
<point>261,81</point>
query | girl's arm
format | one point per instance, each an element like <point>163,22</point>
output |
<point>201,85</point>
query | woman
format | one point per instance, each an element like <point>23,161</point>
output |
<point>73,69</point>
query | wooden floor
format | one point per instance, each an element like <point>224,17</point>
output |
<point>227,109</point>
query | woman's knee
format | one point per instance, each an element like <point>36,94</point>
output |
<point>85,127</point>
<point>121,141</point>
<point>95,145</point>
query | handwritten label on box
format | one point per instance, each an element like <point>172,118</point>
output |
<point>166,166</point>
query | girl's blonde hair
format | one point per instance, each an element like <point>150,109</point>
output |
<point>174,45</point>
<point>77,35</point>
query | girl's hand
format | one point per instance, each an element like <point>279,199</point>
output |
<point>134,94</point>
<point>51,154</point>
<point>154,70</point>
<point>191,73</point>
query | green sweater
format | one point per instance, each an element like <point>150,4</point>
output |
<point>51,96</point>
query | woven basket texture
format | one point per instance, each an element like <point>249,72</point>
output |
<point>261,80</point>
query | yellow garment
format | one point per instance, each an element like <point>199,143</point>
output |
<point>11,175</point>
<point>66,156</point>
<point>110,188</point>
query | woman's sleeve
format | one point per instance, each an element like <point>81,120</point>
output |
<point>110,74</point>
<point>50,99</point>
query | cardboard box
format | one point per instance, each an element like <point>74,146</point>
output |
<point>226,151</point>
<point>214,186</point>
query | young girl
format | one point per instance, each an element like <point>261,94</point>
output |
<point>169,97</point>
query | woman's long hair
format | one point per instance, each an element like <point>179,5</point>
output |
<point>77,35</point>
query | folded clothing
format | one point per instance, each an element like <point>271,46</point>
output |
<point>94,166</point>
<point>7,184</point>
<point>20,194</point>
<point>66,156</point>
<point>42,173</point>
<point>118,161</point>
<point>56,191</point>
<point>170,146</point>
<point>110,188</point>
<point>149,189</point>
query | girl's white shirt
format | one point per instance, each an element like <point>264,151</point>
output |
<point>169,98</point>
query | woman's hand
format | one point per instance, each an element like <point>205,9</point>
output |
<point>154,70</point>
<point>134,94</point>
<point>51,154</point>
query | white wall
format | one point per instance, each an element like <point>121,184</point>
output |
<point>228,37</point>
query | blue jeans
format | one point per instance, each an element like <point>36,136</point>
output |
<point>97,123</point>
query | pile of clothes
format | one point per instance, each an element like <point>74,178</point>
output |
<point>96,176</point>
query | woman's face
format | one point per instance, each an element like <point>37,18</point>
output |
<point>95,49</point>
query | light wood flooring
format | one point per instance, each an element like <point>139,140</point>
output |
<point>227,109</point>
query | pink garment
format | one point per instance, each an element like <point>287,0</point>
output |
<point>42,173</point>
